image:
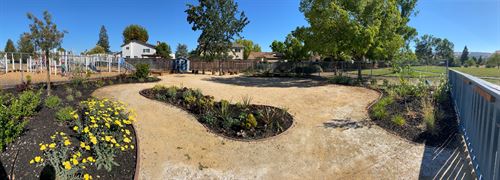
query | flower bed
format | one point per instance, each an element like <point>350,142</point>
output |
<point>241,121</point>
<point>55,115</point>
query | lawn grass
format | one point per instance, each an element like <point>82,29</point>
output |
<point>388,72</point>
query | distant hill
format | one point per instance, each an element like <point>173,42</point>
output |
<point>474,54</point>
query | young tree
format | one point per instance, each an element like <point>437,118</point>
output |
<point>465,55</point>
<point>480,60</point>
<point>25,44</point>
<point>363,29</point>
<point>444,50</point>
<point>9,46</point>
<point>46,36</point>
<point>135,32</point>
<point>163,50</point>
<point>219,21</point>
<point>249,47</point>
<point>103,39</point>
<point>494,60</point>
<point>181,51</point>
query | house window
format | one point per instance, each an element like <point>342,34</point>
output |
<point>237,50</point>
<point>145,50</point>
<point>127,48</point>
<point>135,56</point>
<point>128,56</point>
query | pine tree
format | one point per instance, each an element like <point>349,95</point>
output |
<point>9,46</point>
<point>103,39</point>
<point>465,55</point>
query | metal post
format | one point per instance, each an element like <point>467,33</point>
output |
<point>109,63</point>
<point>118,60</point>
<point>30,65</point>
<point>12,60</point>
<point>6,63</point>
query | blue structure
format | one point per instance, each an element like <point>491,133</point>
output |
<point>181,65</point>
<point>477,104</point>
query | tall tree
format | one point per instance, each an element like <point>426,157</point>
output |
<point>465,55</point>
<point>103,39</point>
<point>135,32</point>
<point>407,10</point>
<point>292,48</point>
<point>9,46</point>
<point>444,50</point>
<point>480,60</point>
<point>219,21</point>
<point>277,46</point>
<point>363,29</point>
<point>181,51</point>
<point>25,44</point>
<point>46,36</point>
<point>163,50</point>
<point>424,48</point>
<point>249,47</point>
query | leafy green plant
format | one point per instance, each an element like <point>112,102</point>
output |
<point>373,82</point>
<point>52,102</point>
<point>398,120</point>
<point>341,80</point>
<point>64,114</point>
<point>141,71</point>
<point>209,118</point>
<point>159,87</point>
<point>172,92</point>
<point>385,83</point>
<point>246,101</point>
<point>70,98</point>
<point>429,116</point>
<point>379,109</point>
<point>78,94</point>
<point>69,90</point>
<point>250,121</point>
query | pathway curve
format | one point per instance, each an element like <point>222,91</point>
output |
<point>174,145</point>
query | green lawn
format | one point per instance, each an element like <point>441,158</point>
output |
<point>388,72</point>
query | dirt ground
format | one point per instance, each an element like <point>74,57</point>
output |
<point>13,78</point>
<point>173,145</point>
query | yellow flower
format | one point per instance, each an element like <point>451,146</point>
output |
<point>75,128</point>
<point>127,140</point>
<point>127,132</point>
<point>67,142</point>
<point>84,160</point>
<point>67,165</point>
<point>87,148</point>
<point>107,125</point>
<point>86,129</point>
<point>113,141</point>
<point>93,140</point>
<point>131,146</point>
<point>82,145</point>
<point>123,149</point>
<point>43,147</point>
<point>116,113</point>
<point>62,133</point>
<point>78,154</point>
<point>118,123</point>
<point>75,116</point>
<point>75,161</point>
<point>91,159</point>
<point>52,145</point>
<point>108,138</point>
<point>32,161</point>
<point>38,159</point>
<point>87,177</point>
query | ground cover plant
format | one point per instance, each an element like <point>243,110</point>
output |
<point>44,123</point>
<point>418,112</point>
<point>241,120</point>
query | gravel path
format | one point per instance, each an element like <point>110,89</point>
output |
<point>174,145</point>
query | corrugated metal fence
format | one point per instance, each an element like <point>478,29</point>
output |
<point>477,104</point>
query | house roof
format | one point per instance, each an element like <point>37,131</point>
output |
<point>266,55</point>
<point>141,43</point>
<point>237,45</point>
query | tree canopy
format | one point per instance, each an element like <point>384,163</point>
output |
<point>292,48</point>
<point>277,46</point>
<point>163,50</point>
<point>355,29</point>
<point>103,39</point>
<point>465,55</point>
<point>97,50</point>
<point>249,47</point>
<point>135,32</point>
<point>494,60</point>
<point>181,51</point>
<point>9,46</point>
<point>219,22</point>
<point>46,36</point>
<point>25,44</point>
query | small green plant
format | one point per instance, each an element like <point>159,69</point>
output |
<point>78,94</point>
<point>70,98</point>
<point>209,118</point>
<point>379,109</point>
<point>64,114</point>
<point>99,83</point>
<point>52,102</point>
<point>28,80</point>
<point>344,80</point>
<point>429,116</point>
<point>250,122</point>
<point>69,90</point>
<point>373,82</point>
<point>159,87</point>
<point>246,101</point>
<point>385,83</point>
<point>141,80</point>
<point>172,92</point>
<point>188,97</point>
<point>141,71</point>
<point>110,82</point>
<point>398,120</point>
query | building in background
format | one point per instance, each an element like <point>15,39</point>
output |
<point>137,49</point>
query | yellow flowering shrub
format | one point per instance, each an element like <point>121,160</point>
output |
<point>102,130</point>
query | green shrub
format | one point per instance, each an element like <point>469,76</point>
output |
<point>99,83</point>
<point>429,116</point>
<point>70,98</point>
<point>373,82</point>
<point>78,94</point>
<point>379,109</point>
<point>398,120</point>
<point>209,118</point>
<point>385,82</point>
<point>69,90</point>
<point>341,80</point>
<point>250,121</point>
<point>159,87</point>
<point>64,114</point>
<point>13,110</point>
<point>172,92</point>
<point>246,101</point>
<point>141,71</point>
<point>52,102</point>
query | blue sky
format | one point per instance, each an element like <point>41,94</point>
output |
<point>475,23</point>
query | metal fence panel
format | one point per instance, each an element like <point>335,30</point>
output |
<point>477,103</point>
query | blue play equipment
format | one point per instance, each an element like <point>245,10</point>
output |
<point>181,65</point>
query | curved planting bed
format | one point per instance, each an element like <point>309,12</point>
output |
<point>240,121</point>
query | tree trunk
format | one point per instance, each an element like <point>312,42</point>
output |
<point>47,62</point>
<point>360,76</point>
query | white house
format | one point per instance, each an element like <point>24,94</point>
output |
<point>137,49</point>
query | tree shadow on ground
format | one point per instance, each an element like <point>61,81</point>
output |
<point>281,82</point>
<point>3,173</point>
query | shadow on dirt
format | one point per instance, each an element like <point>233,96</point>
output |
<point>282,82</point>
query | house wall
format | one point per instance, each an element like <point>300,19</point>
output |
<point>237,53</point>
<point>136,50</point>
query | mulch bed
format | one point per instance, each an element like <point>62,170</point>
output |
<point>261,131</point>
<point>16,156</point>
<point>414,129</point>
